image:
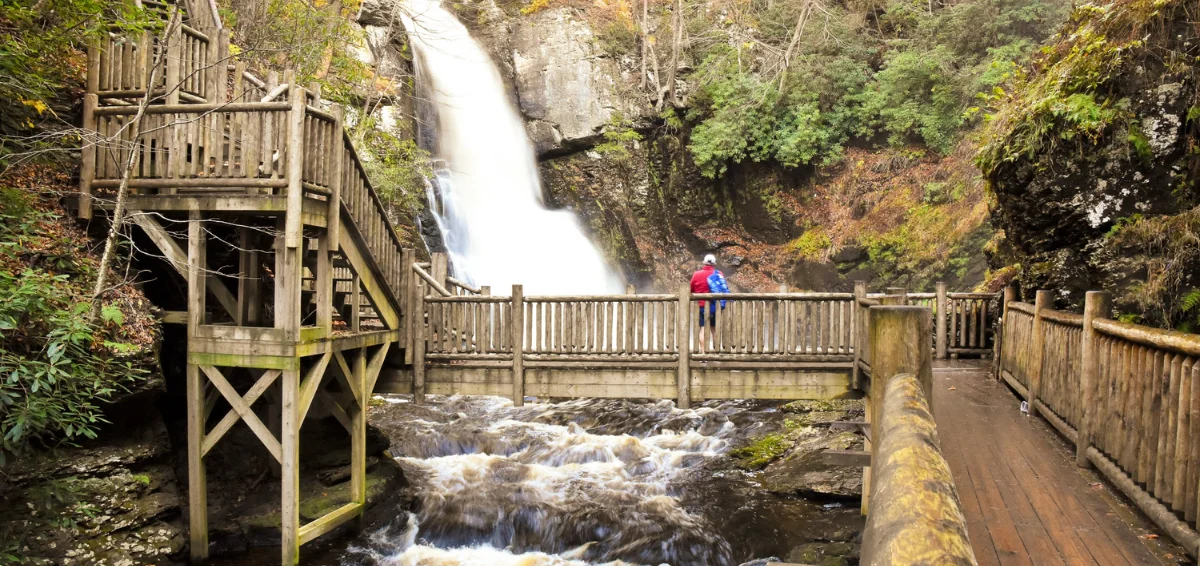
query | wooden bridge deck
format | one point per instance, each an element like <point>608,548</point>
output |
<point>1024,499</point>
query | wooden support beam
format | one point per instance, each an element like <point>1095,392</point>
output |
<point>345,375</point>
<point>420,334</point>
<point>330,521</point>
<point>1097,304</point>
<point>859,458</point>
<point>311,384</point>
<point>197,482</point>
<point>289,510</point>
<point>235,400</point>
<point>516,330</point>
<point>175,255</point>
<point>374,366</point>
<point>358,431</point>
<point>860,293</point>
<point>232,417</point>
<point>326,400</point>
<point>683,328</point>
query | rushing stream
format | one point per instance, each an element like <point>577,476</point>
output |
<point>585,482</point>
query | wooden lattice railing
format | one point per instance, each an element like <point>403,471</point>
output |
<point>215,129</point>
<point>1127,395</point>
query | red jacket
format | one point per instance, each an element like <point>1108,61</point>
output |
<point>700,281</point>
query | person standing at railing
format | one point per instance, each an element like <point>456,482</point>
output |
<point>709,279</point>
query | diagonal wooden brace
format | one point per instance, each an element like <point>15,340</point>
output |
<point>311,384</point>
<point>232,417</point>
<point>244,410</point>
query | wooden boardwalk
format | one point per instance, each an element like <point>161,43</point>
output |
<point>1024,499</point>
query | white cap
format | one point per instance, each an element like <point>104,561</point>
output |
<point>710,259</point>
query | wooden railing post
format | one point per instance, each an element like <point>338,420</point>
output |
<point>900,292</point>
<point>336,165</point>
<point>87,169</point>
<point>517,339</point>
<point>860,292</point>
<point>1097,304</point>
<point>1041,303</point>
<point>439,267</point>
<point>293,228</point>
<point>939,313</point>
<point>683,327</point>
<point>174,56</point>
<point>899,344</point>
<point>420,334</point>
<point>1010,295</point>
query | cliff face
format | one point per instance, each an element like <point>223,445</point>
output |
<point>1092,158</point>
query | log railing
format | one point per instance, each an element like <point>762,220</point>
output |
<point>913,512</point>
<point>1127,395</point>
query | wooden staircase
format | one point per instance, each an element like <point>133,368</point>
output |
<point>224,164</point>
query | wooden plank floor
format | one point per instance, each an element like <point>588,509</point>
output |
<point>1024,499</point>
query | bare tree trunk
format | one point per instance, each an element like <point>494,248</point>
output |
<point>645,38</point>
<point>135,130</point>
<point>676,47</point>
<point>658,88</point>
<point>799,31</point>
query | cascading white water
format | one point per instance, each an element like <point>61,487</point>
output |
<point>493,218</point>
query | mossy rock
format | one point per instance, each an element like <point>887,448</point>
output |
<point>763,451</point>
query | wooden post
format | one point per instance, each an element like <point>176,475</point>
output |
<point>899,344</point>
<point>358,435</point>
<point>293,228</point>
<point>1097,304</point>
<point>439,267</point>
<point>1041,302</point>
<point>899,292</point>
<point>419,335</point>
<point>1010,295</point>
<point>174,57</point>
<point>939,314</point>
<point>289,509</point>
<point>197,482</point>
<point>337,163</point>
<point>287,286</point>
<point>683,327</point>
<point>323,280</point>
<point>407,281</point>
<point>355,322</point>
<point>516,338</point>
<point>860,292</point>
<point>87,169</point>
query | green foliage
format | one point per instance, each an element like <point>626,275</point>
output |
<point>1066,98</point>
<point>315,38</point>
<point>763,451</point>
<point>41,61</point>
<point>398,168</point>
<point>619,137</point>
<point>908,77</point>
<point>812,245</point>
<point>55,368</point>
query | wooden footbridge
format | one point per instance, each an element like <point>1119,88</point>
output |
<point>301,303</point>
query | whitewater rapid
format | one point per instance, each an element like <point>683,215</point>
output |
<point>492,216</point>
<point>530,486</point>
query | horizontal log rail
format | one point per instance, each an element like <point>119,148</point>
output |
<point>1127,396</point>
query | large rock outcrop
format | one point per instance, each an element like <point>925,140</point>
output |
<point>1092,160</point>
<point>567,89</point>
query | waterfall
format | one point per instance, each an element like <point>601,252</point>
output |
<point>491,213</point>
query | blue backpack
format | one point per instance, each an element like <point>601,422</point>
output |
<point>717,284</point>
